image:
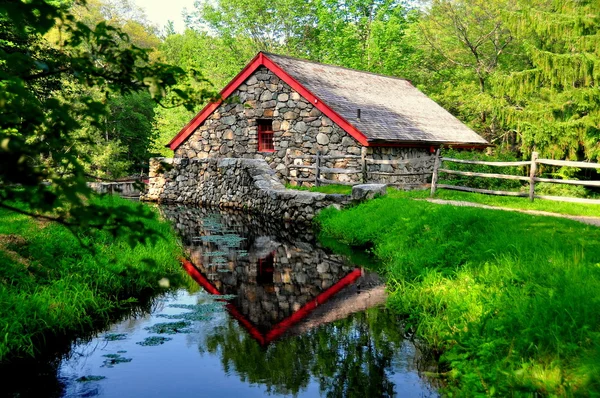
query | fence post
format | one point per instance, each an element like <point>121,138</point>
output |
<point>434,177</point>
<point>532,171</point>
<point>318,169</point>
<point>286,162</point>
<point>363,157</point>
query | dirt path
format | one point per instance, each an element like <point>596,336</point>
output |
<point>583,219</point>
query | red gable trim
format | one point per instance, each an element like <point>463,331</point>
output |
<point>212,106</point>
<point>316,102</point>
<point>262,60</point>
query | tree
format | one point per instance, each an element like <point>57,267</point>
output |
<point>269,25</point>
<point>468,42</point>
<point>554,101</point>
<point>40,164</point>
<point>360,34</point>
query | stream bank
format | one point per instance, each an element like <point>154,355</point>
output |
<point>272,317</point>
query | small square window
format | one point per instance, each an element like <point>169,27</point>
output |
<point>265,135</point>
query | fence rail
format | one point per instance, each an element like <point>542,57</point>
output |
<point>532,179</point>
<point>364,172</point>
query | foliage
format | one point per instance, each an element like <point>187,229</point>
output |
<point>269,27</point>
<point>51,285</point>
<point>40,161</point>
<point>555,101</point>
<point>507,298</point>
<point>523,73</point>
<point>218,58</point>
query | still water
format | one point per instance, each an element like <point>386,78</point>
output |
<point>272,313</point>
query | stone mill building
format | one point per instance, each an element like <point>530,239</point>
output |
<point>280,109</point>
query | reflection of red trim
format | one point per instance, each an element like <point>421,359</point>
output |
<point>288,322</point>
<point>210,288</point>
<point>307,308</point>
<point>198,277</point>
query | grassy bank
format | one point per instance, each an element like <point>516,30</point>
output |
<point>511,301</point>
<point>575,209</point>
<point>51,285</point>
<point>331,189</point>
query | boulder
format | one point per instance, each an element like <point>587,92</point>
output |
<point>368,191</point>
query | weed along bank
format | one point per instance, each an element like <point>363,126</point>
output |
<point>309,124</point>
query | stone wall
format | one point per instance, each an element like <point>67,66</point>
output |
<point>299,129</point>
<point>248,184</point>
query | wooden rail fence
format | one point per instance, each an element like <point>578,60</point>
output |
<point>532,179</point>
<point>362,160</point>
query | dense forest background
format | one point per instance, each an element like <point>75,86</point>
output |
<point>522,73</point>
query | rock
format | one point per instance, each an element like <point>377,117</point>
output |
<point>229,120</point>
<point>347,141</point>
<point>368,191</point>
<point>322,139</point>
<point>322,268</point>
<point>300,127</point>
<point>282,97</point>
<point>289,115</point>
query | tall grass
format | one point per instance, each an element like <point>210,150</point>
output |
<point>511,301</point>
<point>329,189</point>
<point>51,285</point>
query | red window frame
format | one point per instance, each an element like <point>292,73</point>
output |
<point>265,135</point>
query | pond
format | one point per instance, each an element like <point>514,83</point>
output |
<point>271,312</point>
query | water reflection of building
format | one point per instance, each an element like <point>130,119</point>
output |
<point>278,273</point>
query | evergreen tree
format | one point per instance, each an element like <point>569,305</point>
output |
<point>554,103</point>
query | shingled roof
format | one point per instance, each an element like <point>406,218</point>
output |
<point>392,110</point>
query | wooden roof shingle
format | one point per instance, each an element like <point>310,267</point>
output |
<point>391,109</point>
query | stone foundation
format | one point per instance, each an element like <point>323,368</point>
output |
<point>246,184</point>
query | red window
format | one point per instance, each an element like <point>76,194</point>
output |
<point>265,135</point>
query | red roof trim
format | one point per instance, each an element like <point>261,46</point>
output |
<point>213,105</point>
<point>262,60</point>
<point>316,102</point>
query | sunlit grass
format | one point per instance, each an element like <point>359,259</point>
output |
<point>329,189</point>
<point>511,300</point>
<point>576,209</point>
<point>50,284</point>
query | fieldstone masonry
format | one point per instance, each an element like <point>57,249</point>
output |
<point>248,184</point>
<point>299,129</point>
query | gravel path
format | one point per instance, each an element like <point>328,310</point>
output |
<point>583,219</point>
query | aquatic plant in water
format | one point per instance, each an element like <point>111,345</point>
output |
<point>170,327</point>
<point>87,379</point>
<point>153,341</point>
<point>114,359</point>
<point>115,336</point>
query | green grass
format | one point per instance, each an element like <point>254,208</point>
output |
<point>511,301</point>
<point>576,209</point>
<point>50,285</point>
<point>330,189</point>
